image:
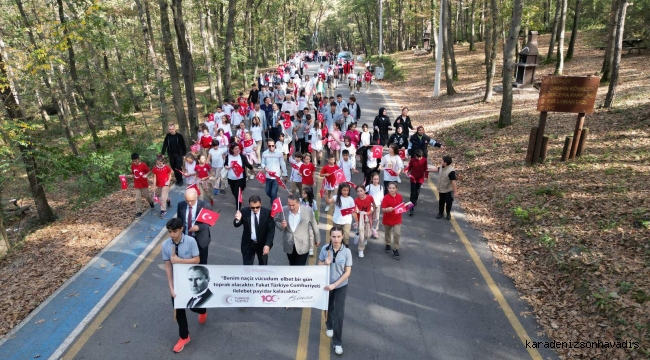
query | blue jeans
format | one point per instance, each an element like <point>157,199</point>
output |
<point>271,189</point>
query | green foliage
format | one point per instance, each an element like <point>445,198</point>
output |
<point>549,191</point>
<point>393,71</point>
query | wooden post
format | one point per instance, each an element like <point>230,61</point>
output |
<point>531,145</point>
<point>576,134</point>
<point>542,156</point>
<point>566,148</point>
<point>583,140</point>
<point>540,136</point>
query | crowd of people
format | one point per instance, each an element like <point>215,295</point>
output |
<point>270,136</point>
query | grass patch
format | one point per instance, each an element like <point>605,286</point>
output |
<point>392,69</point>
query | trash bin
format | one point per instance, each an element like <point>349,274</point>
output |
<point>379,72</point>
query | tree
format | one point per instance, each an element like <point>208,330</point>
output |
<point>620,28</point>
<point>449,78</point>
<point>612,26</point>
<point>187,65</point>
<point>471,26</point>
<point>559,63</point>
<point>227,54</point>
<point>574,31</point>
<point>556,20</point>
<point>505,116</point>
<point>491,41</point>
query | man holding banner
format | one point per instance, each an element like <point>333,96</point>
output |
<point>259,230</point>
<point>295,230</point>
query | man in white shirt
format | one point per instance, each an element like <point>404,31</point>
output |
<point>289,106</point>
<point>340,104</point>
<point>273,162</point>
<point>298,230</point>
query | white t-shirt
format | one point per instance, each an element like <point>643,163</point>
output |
<point>295,174</point>
<point>216,157</point>
<point>236,119</point>
<point>231,174</point>
<point>391,162</point>
<point>256,133</point>
<point>346,203</point>
<point>365,138</point>
<point>227,109</point>
<point>377,193</point>
<point>347,167</point>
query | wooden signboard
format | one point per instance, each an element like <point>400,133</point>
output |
<point>572,94</point>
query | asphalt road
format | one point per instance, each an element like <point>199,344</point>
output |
<point>434,303</point>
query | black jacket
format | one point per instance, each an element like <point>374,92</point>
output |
<point>174,145</point>
<point>264,232</point>
<point>404,124</point>
<point>417,143</point>
<point>204,299</point>
<point>401,140</point>
<point>382,122</point>
<point>363,151</point>
<point>357,116</point>
<point>202,236</point>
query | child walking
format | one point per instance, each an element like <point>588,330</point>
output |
<point>375,190</point>
<point>392,220</point>
<point>296,178</point>
<point>417,170</point>
<point>343,210</point>
<point>365,204</point>
<point>162,178</point>
<point>190,172</point>
<point>140,171</point>
<point>203,176</point>
<point>215,158</point>
<point>330,179</point>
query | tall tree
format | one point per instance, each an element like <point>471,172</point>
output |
<point>228,48</point>
<point>154,62</point>
<point>612,25</point>
<point>471,26</point>
<point>505,116</point>
<point>556,20</point>
<point>177,95</point>
<point>620,29</point>
<point>491,41</point>
<point>206,50</point>
<point>450,43</point>
<point>574,31</point>
<point>449,77</point>
<point>559,63</point>
<point>187,65</point>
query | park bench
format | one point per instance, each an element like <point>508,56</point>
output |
<point>629,45</point>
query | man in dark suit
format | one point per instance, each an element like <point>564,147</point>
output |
<point>187,211</point>
<point>199,278</point>
<point>259,230</point>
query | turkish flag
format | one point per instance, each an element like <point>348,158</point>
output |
<point>236,168</point>
<point>156,199</point>
<point>248,143</point>
<point>321,117</point>
<point>339,175</point>
<point>309,148</point>
<point>240,198</point>
<point>322,191</point>
<point>281,183</point>
<point>305,171</point>
<point>286,123</point>
<point>347,211</point>
<point>391,172</point>
<point>291,149</point>
<point>295,166</point>
<point>377,150</point>
<point>401,208</point>
<point>211,117</point>
<point>260,176</point>
<point>242,110</point>
<point>276,207</point>
<point>207,217</point>
<point>352,185</point>
<point>402,153</point>
<point>320,103</point>
<point>125,185</point>
<point>195,187</point>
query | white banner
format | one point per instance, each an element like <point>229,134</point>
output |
<point>210,286</point>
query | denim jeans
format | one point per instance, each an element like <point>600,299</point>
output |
<point>271,189</point>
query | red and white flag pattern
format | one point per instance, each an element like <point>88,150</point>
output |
<point>391,172</point>
<point>207,217</point>
<point>261,177</point>
<point>156,199</point>
<point>125,185</point>
<point>195,187</point>
<point>276,207</point>
<point>236,168</point>
<point>347,211</point>
<point>339,175</point>
<point>377,150</point>
<point>248,143</point>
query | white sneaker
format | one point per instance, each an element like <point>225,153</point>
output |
<point>311,251</point>
<point>361,253</point>
<point>365,242</point>
<point>327,208</point>
<point>329,333</point>
<point>251,177</point>
<point>338,349</point>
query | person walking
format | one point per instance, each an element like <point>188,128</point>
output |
<point>338,257</point>
<point>404,121</point>
<point>392,220</point>
<point>187,211</point>
<point>259,230</point>
<point>235,163</point>
<point>420,140</point>
<point>381,124</point>
<point>417,172</point>
<point>174,146</point>
<point>392,165</point>
<point>343,209</point>
<point>273,163</point>
<point>447,187</point>
<point>297,230</point>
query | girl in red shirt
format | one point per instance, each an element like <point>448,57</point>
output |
<point>205,141</point>
<point>417,172</point>
<point>392,221</point>
<point>330,179</point>
<point>363,216</point>
<point>203,175</point>
<point>307,170</point>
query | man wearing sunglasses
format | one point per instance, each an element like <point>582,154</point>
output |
<point>259,230</point>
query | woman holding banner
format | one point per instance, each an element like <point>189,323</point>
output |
<point>339,258</point>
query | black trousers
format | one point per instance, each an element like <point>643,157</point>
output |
<point>235,185</point>
<point>385,187</point>
<point>181,319</point>
<point>176,162</point>
<point>297,260</point>
<point>203,255</point>
<point>445,199</point>
<point>274,133</point>
<point>248,255</point>
<point>335,313</point>
<point>415,192</point>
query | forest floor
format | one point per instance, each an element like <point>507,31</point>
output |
<point>574,236</point>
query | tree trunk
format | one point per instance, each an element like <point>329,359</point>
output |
<point>45,213</point>
<point>618,47</point>
<point>491,41</point>
<point>472,34</point>
<point>556,19</point>
<point>206,52</point>
<point>400,25</point>
<point>574,31</point>
<point>450,43</point>
<point>154,63</point>
<point>177,94</point>
<point>505,117</point>
<point>41,109</point>
<point>187,65</point>
<point>449,78</point>
<point>606,70</point>
<point>228,48</point>
<point>559,64</point>
<point>460,21</point>
<point>435,12</point>
<point>214,45</point>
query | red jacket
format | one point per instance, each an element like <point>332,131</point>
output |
<point>417,169</point>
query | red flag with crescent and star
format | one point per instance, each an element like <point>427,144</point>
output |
<point>339,175</point>
<point>260,177</point>
<point>391,172</point>
<point>248,143</point>
<point>236,168</point>
<point>195,187</point>
<point>321,117</point>
<point>125,185</point>
<point>377,150</point>
<point>281,183</point>
<point>156,199</point>
<point>305,171</point>
<point>402,208</point>
<point>287,121</point>
<point>276,207</point>
<point>240,198</point>
<point>309,148</point>
<point>347,211</point>
<point>207,217</point>
<point>402,153</point>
